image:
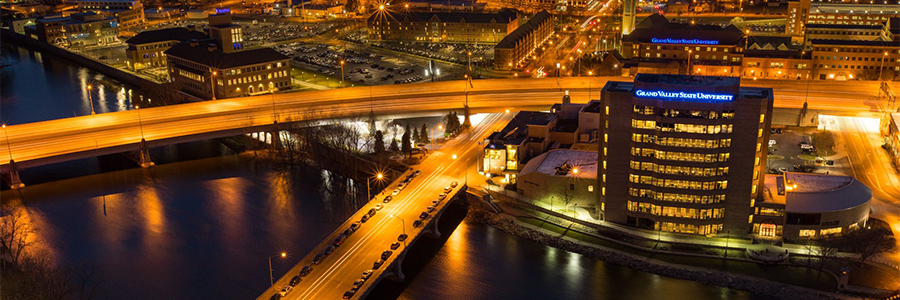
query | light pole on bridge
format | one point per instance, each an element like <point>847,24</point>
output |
<point>378,176</point>
<point>271,278</point>
<point>91,96</point>
<point>403,226</point>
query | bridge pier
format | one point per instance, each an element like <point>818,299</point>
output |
<point>14,181</point>
<point>396,271</point>
<point>432,230</point>
<point>276,138</point>
<point>144,156</point>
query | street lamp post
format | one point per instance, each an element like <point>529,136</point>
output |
<point>881,69</point>
<point>271,278</point>
<point>140,123</point>
<point>402,226</point>
<point>212,84</point>
<point>689,68</point>
<point>378,176</point>
<point>590,75</point>
<point>91,94</point>
<point>342,73</point>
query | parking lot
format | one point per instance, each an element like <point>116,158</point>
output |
<point>786,153</point>
<point>360,67</point>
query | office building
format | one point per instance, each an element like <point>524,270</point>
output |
<point>147,49</point>
<point>446,27</point>
<point>683,153</point>
<point>128,13</point>
<point>520,45</point>
<point>878,32</point>
<point>854,59</point>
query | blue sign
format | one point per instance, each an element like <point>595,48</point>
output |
<point>223,10</point>
<point>684,41</point>
<point>683,96</point>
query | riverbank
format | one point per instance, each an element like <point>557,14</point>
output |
<point>517,227</point>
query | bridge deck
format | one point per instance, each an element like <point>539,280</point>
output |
<point>41,143</point>
<point>337,272</point>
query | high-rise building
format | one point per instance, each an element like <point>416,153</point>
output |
<point>628,8</point>
<point>683,153</point>
<point>797,13</point>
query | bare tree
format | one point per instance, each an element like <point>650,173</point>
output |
<point>15,237</point>
<point>825,249</point>
<point>869,242</point>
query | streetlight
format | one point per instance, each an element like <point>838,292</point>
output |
<point>881,70</point>
<point>272,279</point>
<point>689,61</point>
<point>212,83</point>
<point>140,123</point>
<point>590,74</point>
<point>402,226</point>
<point>378,176</point>
<point>91,95</point>
<point>342,73</point>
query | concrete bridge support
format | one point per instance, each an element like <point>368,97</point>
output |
<point>14,181</point>
<point>432,230</point>
<point>396,271</point>
<point>275,138</point>
<point>144,155</point>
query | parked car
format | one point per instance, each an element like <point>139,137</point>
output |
<point>318,259</point>
<point>430,209</point>
<point>275,297</point>
<point>295,280</point>
<point>305,271</point>
<point>453,184</point>
<point>417,223</point>
<point>379,206</point>
<point>386,254</point>
<point>285,290</point>
<point>349,294</point>
<point>402,237</point>
<point>447,189</point>
<point>442,196</point>
<point>372,212</point>
<point>367,274</point>
<point>364,218</point>
<point>377,264</point>
<point>387,199</point>
<point>329,250</point>
<point>354,226</point>
<point>395,245</point>
<point>423,215</point>
<point>358,283</point>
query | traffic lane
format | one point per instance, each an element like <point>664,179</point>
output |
<point>410,211</point>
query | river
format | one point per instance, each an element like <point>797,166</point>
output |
<point>203,222</point>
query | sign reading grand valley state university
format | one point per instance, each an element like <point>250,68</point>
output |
<point>684,96</point>
<point>683,41</point>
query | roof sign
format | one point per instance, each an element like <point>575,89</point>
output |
<point>684,41</point>
<point>682,96</point>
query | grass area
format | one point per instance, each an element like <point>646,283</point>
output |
<point>791,275</point>
<point>320,79</point>
<point>806,157</point>
<point>774,157</point>
<point>873,277</point>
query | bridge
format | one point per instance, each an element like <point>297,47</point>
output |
<point>41,143</point>
<point>336,272</point>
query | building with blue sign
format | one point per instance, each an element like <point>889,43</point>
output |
<point>683,153</point>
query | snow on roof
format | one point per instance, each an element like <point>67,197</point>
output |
<point>559,162</point>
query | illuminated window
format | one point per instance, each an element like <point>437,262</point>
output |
<point>807,233</point>
<point>834,230</point>
<point>590,188</point>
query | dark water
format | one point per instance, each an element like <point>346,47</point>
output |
<point>36,87</point>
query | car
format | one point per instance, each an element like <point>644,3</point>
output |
<point>329,250</point>
<point>348,231</point>
<point>339,240</point>
<point>395,245</point>
<point>372,212</point>
<point>447,189</point>
<point>358,283</point>
<point>354,226</point>
<point>387,199</point>
<point>367,274</point>
<point>417,223</point>
<point>319,258</point>
<point>430,208</point>
<point>295,280</point>
<point>285,290</point>
<point>442,196</point>
<point>435,202</point>
<point>417,172</point>
<point>364,218</point>
<point>349,294</point>
<point>402,237</point>
<point>275,297</point>
<point>377,264</point>
<point>379,206</point>
<point>386,254</point>
<point>454,184</point>
<point>396,191</point>
<point>305,271</point>
<point>423,216</point>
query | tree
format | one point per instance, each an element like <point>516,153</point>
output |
<point>869,242</point>
<point>825,249</point>
<point>823,141</point>
<point>405,141</point>
<point>424,132</point>
<point>394,147</point>
<point>451,123</point>
<point>15,232</point>
<point>379,142</point>
<point>416,135</point>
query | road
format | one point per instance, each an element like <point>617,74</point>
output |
<point>336,274</point>
<point>860,140</point>
<point>31,143</point>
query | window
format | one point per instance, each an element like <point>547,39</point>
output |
<point>828,231</point>
<point>807,233</point>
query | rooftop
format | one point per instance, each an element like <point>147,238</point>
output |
<point>572,163</point>
<point>657,29</point>
<point>218,59</point>
<point>501,17</point>
<point>815,193</point>
<point>168,34</point>
<point>855,43</point>
<point>844,26</point>
<point>509,41</point>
